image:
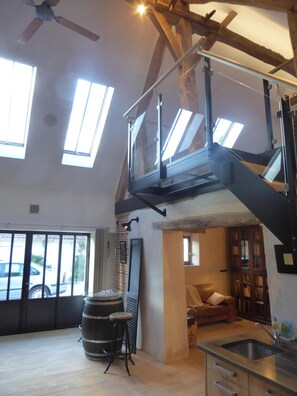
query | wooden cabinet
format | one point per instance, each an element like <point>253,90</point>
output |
<point>224,379</point>
<point>262,388</point>
<point>248,273</point>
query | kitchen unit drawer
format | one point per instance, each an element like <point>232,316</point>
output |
<point>227,371</point>
<point>217,385</point>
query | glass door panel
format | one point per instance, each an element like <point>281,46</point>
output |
<point>12,253</point>
<point>44,266</point>
<point>67,254</point>
<point>73,264</point>
<point>257,254</point>
<point>52,264</point>
<point>80,264</point>
<point>37,275</point>
<point>244,249</point>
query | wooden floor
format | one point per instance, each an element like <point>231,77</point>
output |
<point>54,363</point>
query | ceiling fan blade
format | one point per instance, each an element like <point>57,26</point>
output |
<point>52,3</point>
<point>76,28</point>
<point>30,2</point>
<point>30,30</point>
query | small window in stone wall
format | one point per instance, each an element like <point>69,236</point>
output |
<point>191,249</point>
<point>187,250</point>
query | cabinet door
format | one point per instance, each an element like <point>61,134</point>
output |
<point>261,388</point>
<point>248,273</point>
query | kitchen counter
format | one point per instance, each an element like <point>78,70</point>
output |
<point>279,369</point>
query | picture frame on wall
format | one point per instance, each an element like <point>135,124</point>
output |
<point>284,260</point>
<point>123,252</point>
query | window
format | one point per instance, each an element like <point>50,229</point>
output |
<point>226,132</point>
<point>181,133</point>
<point>58,267</point>
<point>87,121</point>
<point>17,83</point>
<point>187,250</point>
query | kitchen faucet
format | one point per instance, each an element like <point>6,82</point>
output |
<point>274,334</point>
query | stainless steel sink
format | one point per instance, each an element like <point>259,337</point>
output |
<point>252,349</point>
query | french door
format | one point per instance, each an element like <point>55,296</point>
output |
<point>43,279</point>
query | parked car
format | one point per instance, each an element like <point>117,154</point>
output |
<point>35,281</point>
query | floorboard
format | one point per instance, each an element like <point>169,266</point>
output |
<point>54,363</point>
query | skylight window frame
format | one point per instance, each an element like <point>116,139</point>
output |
<point>75,156</point>
<point>16,113</point>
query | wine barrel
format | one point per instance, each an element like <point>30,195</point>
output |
<point>97,329</point>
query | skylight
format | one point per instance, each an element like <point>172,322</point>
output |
<point>176,133</point>
<point>17,83</point>
<point>87,121</point>
<point>226,132</point>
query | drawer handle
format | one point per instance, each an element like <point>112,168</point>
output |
<point>223,370</point>
<point>224,390</point>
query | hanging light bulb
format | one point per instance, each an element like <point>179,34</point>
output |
<point>141,9</point>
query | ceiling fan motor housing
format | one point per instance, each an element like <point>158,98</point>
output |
<point>45,12</point>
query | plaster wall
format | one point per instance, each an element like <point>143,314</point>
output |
<point>59,210</point>
<point>213,264</point>
<point>174,284</point>
<point>282,287</point>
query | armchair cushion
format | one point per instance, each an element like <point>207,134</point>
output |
<point>215,299</point>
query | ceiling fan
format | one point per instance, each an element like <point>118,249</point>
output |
<point>45,13</point>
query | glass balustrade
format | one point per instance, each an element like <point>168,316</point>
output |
<point>168,126</point>
<point>246,116</point>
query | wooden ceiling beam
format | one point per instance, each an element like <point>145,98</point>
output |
<point>165,31</point>
<point>213,37</point>
<point>292,21</point>
<point>187,77</point>
<point>226,36</point>
<point>275,5</point>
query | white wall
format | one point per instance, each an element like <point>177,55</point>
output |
<point>213,259</point>
<point>175,325</point>
<point>282,287</point>
<point>59,210</point>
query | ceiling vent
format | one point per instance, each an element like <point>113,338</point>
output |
<point>34,209</point>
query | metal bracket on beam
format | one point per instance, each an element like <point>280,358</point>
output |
<point>161,212</point>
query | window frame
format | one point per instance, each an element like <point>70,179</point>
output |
<point>189,243</point>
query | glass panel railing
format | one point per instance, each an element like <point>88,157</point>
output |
<point>144,138</point>
<point>183,113</point>
<point>184,127</point>
<point>245,119</point>
<point>241,110</point>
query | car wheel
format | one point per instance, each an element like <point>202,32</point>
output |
<point>36,292</point>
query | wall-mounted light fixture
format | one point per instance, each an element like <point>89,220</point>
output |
<point>127,225</point>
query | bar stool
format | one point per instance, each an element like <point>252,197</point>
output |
<point>120,322</point>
